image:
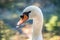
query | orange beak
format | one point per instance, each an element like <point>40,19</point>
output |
<point>22,20</point>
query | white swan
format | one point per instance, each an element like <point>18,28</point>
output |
<point>35,13</point>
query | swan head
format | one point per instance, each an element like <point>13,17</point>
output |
<point>28,13</point>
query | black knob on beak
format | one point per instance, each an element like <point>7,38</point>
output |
<point>22,16</point>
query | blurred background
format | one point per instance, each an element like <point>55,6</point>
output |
<point>10,10</point>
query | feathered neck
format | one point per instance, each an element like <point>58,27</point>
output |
<point>37,17</point>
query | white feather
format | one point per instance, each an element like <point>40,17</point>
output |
<point>37,16</point>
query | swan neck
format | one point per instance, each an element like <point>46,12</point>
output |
<point>37,28</point>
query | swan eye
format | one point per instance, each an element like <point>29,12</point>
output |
<point>27,13</point>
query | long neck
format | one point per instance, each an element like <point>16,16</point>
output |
<point>37,27</point>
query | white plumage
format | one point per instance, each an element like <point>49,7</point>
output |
<point>37,16</point>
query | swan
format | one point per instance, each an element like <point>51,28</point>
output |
<point>35,13</point>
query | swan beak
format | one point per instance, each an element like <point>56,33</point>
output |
<point>23,19</point>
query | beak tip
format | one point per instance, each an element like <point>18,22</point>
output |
<point>18,23</point>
